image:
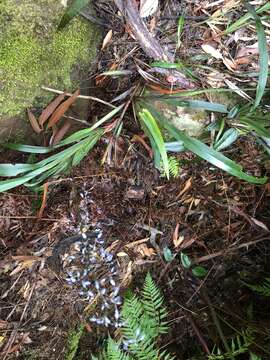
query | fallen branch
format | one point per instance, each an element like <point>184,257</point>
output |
<point>148,43</point>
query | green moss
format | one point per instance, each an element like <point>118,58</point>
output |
<point>33,54</point>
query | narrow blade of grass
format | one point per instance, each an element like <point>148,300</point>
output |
<point>244,19</point>
<point>180,28</point>
<point>263,55</point>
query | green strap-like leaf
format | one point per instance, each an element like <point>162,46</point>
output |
<point>263,55</point>
<point>214,157</point>
<point>29,148</point>
<point>153,128</point>
<point>9,170</point>
<point>205,152</point>
<point>73,10</point>
<point>227,139</point>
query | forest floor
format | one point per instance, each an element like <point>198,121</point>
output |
<point>218,222</point>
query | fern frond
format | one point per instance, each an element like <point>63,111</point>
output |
<point>165,356</point>
<point>145,350</point>
<point>174,166</point>
<point>262,289</point>
<point>114,352</point>
<point>143,320</point>
<point>152,300</point>
<point>131,314</point>
<point>239,345</point>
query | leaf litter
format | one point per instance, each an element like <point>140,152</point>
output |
<point>216,220</point>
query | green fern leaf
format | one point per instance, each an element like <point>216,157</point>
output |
<point>262,289</point>
<point>152,300</point>
<point>114,352</point>
<point>239,345</point>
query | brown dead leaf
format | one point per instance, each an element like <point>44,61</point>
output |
<point>185,189</point>
<point>23,339</point>
<point>107,39</point>
<point>139,139</point>
<point>230,64</point>
<point>209,49</point>
<point>33,121</point>
<point>249,50</point>
<point>127,275</point>
<point>60,111</point>
<point>177,240</point>
<point>176,233</point>
<point>243,60</point>
<point>145,250</point>
<point>25,258</point>
<point>44,199</point>
<point>61,132</point>
<point>47,112</point>
<point>26,263</point>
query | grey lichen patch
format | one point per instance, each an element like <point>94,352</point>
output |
<point>33,53</point>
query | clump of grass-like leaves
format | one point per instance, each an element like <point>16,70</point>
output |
<point>75,148</point>
<point>234,123</point>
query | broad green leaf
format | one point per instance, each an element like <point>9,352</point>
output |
<point>60,156</point>
<point>205,152</point>
<point>199,271</point>
<point>263,55</point>
<point>233,112</point>
<point>227,139</point>
<point>41,168</point>
<point>153,128</point>
<point>177,66</point>
<point>9,170</point>
<point>185,260</point>
<point>72,10</point>
<point>168,256</point>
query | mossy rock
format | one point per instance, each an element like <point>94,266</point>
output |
<point>33,53</point>
<point>191,121</point>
